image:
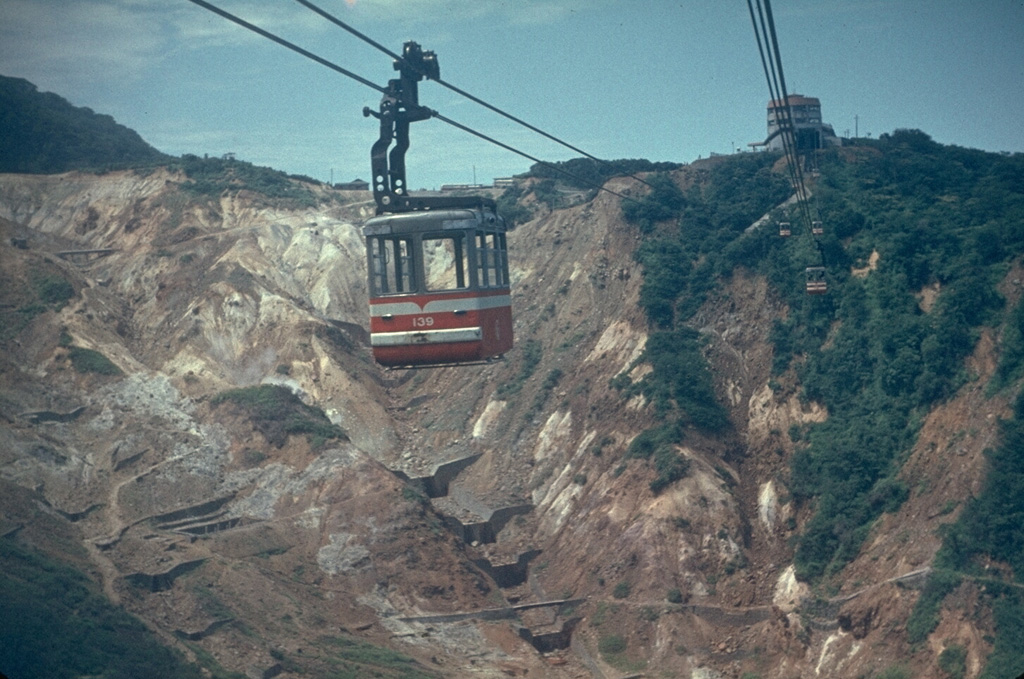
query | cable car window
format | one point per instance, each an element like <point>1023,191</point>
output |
<point>503,258</point>
<point>501,252</point>
<point>391,265</point>
<point>492,259</point>
<point>444,262</point>
<point>484,274</point>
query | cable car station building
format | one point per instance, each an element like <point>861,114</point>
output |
<point>811,132</point>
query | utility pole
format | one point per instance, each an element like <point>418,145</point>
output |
<point>856,126</point>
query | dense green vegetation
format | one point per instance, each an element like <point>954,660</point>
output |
<point>937,216</point>
<point>659,445</point>
<point>213,176</point>
<point>42,133</point>
<point>278,413</point>
<point>510,207</point>
<point>943,217</point>
<point>876,351</point>
<point>953,661</point>
<point>587,173</point>
<point>56,623</point>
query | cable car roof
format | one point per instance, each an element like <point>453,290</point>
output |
<point>432,220</point>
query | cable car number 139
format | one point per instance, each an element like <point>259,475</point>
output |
<point>423,321</point>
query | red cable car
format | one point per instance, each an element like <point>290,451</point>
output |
<point>439,286</point>
<point>438,265</point>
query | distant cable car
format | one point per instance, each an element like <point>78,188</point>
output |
<point>437,265</point>
<point>815,280</point>
<point>784,229</point>
<point>439,286</point>
<point>816,228</point>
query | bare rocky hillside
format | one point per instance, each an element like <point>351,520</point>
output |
<point>460,522</point>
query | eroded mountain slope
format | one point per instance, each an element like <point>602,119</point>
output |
<point>273,554</point>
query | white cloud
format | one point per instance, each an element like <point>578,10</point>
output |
<point>67,46</point>
<point>57,44</point>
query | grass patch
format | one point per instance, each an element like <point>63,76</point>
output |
<point>659,446</point>
<point>53,290</point>
<point>531,353</point>
<point>895,672</point>
<point>45,292</point>
<point>613,649</point>
<point>91,361</point>
<point>278,413</point>
<point>953,661</point>
<point>613,643</point>
<point>356,659</point>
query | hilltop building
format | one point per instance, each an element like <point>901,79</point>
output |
<point>354,185</point>
<point>811,132</point>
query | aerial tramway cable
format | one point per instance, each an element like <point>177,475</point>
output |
<point>802,187</point>
<point>773,93</point>
<point>764,26</point>
<point>290,45</point>
<point>434,114</point>
<point>441,81</point>
<point>777,91</point>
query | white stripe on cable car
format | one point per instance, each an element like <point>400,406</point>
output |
<point>399,339</point>
<point>408,308</point>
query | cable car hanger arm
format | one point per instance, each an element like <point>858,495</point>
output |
<point>338,69</point>
<point>399,107</point>
<point>436,78</point>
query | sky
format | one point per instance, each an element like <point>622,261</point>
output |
<point>658,79</point>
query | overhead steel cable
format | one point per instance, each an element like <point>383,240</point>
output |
<point>362,36</point>
<point>789,110</point>
<point>434,114</point>
<point>290,45</point>
<point>774,96</point>
<point>779,101</point>
<point>772,66</point>
<point>528,156</point>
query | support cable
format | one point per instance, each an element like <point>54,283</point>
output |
<point>483,136</point>
<point>782,105</point>
<point>773,93</point>
<point>764,25</point>
<point>338,69</point>
<point>290,45</point>
<point>782,110</point>
<point>789,110</point>
<point>341,24</point>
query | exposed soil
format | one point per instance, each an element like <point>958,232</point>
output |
<point>254,546</point>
